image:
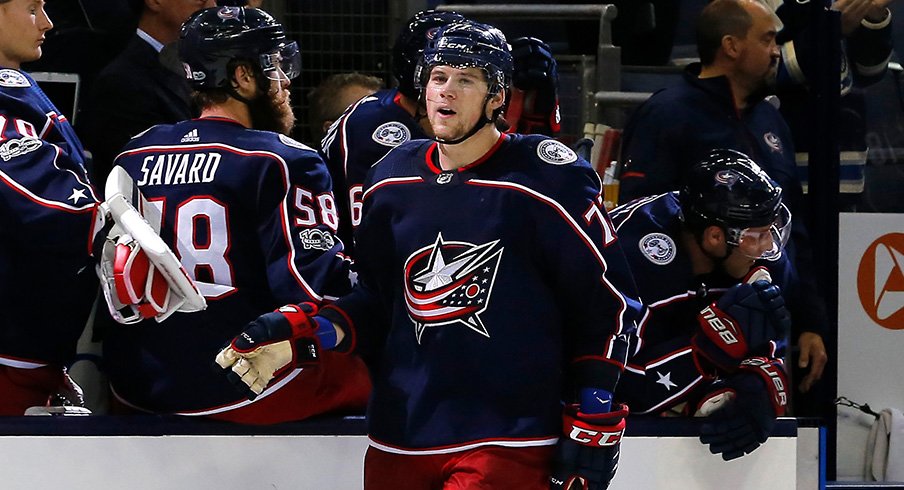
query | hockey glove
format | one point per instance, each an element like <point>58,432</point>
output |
<point>741,322</point>
<point>587,455</point>
<point>286,338</point>
<point>741,412</point>
<point>536,79</point>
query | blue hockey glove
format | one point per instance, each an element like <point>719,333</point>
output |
<point>741,322</point>
<point>286,338</point>
<point>536,79</point>
<point>587,454</point>
<point>741,412</point>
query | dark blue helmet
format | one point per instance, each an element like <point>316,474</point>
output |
<point>409,45</point>
<point>469,44</point>
<point>728,189</point>
<point>214,37</point>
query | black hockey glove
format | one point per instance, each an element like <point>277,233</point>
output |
<point>276,341</point>
<point>587,455</point>
<point>741,412</point>
<point>536,76</point>
<point>741,323</point>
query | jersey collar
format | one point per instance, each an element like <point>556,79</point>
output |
<point>432,156</point>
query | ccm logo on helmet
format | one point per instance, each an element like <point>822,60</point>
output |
<point>446,43</point>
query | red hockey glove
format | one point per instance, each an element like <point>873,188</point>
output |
<point>286,338</point>
<point>587,455</point>
<point>742,411</point>
<point>740,323</point>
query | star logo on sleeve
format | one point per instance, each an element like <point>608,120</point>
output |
<point>666,380</point>
<point>77,194</point>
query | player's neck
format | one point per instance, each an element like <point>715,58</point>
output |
<point>231,109</point>
<point>452,157</point>
<point>701,263</point>
<point>409,104</point>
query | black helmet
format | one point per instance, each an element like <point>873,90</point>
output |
<point>409,45</point>
<point>469,44</point>
<point>213,37</point>
<point>730,190</point>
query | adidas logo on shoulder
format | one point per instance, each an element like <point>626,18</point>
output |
<point>190,137</point>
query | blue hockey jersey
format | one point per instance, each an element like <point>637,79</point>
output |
<point>47,220</point>
<point>356,141</point>
<point>252,218</point>
<point>663,373</point>
<point>483,292</point>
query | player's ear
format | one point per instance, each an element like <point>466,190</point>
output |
<point>243,79</point>
<point>496,102</point>
<point>713,240</point>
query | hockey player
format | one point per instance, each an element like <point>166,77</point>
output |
<point>491,285</point>
<point>250,214</point>
<point>47,221</point>
<point>719,103</point>
<point>377,123</point>
<point>713,326</point>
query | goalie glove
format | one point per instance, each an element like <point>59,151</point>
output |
<point>534,108</point>
<point>586,457</point>
<point>743,321</point>
<point>286,338</point>
<point>741,411</point>
<point>140,276</point>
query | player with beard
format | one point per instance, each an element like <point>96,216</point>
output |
<point>251,216</point>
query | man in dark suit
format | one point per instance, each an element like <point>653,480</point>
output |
<point>139,88</point>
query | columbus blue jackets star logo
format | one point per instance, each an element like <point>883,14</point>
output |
<point>450,283</point>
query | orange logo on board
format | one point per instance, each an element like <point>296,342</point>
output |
<point>880,281</point>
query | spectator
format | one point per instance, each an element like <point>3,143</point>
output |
<point>335,93</point>
<point>137,89</point>
<point>866,50</point>
<point>705,331</point>
<point>47,222</point>
<point>252,218</point>
<point>490,285</point>
<point>719,104</point>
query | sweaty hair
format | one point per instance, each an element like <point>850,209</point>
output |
<point>718,19</point>
<point>323,99</point>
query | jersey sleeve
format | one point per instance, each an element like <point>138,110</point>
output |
<point>305,260</point>
<point>590,279</point>
<point>46,196</point>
